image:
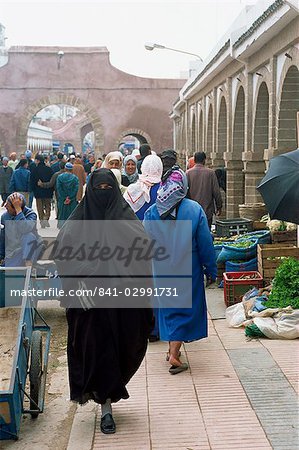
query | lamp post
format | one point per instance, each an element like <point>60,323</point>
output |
<point>151,46</point>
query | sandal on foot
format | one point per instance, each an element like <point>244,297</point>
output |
<point>168,355</point>
<point>108,424</point>
<point>178,369</point>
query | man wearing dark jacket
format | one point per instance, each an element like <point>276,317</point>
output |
<point>20,180</point>
<point>43,196</point>
<point>203,187</point>
<point>52,183</point>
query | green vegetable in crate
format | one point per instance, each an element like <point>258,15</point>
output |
<point>285,291</point>
<point>241,244</point>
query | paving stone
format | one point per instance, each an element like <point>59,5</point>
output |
<point>231,398</point>
<point>270,394</point>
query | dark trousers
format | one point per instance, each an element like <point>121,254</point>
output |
<point>43,208</point>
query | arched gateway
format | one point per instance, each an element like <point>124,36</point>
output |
<point>112,101</point>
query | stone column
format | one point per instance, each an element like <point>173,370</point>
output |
<point>254,170</point>
<point>234,185</point>
<point>217,161</point>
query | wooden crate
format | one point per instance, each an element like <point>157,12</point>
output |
<point>266,266</point>
<point>284,236</point>
<point>257,225</point>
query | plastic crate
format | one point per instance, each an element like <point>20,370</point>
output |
<point>235,288</point>
<point>229,227</point>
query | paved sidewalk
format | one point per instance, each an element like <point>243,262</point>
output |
<point>236,395</point>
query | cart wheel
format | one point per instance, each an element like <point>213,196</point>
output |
<point>35,372</point>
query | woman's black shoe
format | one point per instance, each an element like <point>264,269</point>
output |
<point>108,424</point>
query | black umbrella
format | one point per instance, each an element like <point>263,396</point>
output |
<point>280,187</point>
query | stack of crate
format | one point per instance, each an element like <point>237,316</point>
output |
<point>286,237</point>
<point>269,257</point>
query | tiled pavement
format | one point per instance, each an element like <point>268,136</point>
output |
<point>236,395</point>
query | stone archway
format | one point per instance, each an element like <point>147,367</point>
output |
<point>288,107</point>
<point>200,131</point>
<point>141,135</point>
<point>193,134</point>
<point>254,163</point>
<point>261,121</point>
<point>53,99</point>
<point>234,164</point>
<point>222,129</point>
<point>239,124</point>
<point>209,140</point>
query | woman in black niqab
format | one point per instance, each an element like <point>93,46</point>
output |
<point>105,345</point>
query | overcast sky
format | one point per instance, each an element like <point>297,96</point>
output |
<point>123,27</point>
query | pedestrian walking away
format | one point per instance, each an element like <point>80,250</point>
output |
<point>140,196</point>
<point>204,187</point>
<point>179,325</point>
<point>20,180</point>
<point>67,186</point>
<point>43,196</point>
<point>79,171</point>
<point>105,345</point>
<point>52,183</point>
<point>169,159</point>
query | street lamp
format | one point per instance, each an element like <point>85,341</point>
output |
<point>150,46</point>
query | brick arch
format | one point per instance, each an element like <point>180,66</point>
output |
<point>239,122</point>
<point>54,99</point>
<point>260,127</point>
<point>85,129</point>
<point>136,132</point>
<point>193,133</point>
<point>200,130</point>
<point>209,131</point>
<point>288,104</point>
<point>222,126</point>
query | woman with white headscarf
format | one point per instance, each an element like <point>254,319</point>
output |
<point>113,160</point>
<point>130,172</point>
<point>118,177</point>
<point>142,194</point>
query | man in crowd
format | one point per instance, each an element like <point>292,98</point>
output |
<point>144,151</point>
<point>204,188</point>
<point>67,186</point>
<point>43,196</point>
<point>13,162</point>
<point>79,171</point>
<point>89,165</point>
<point>52,183</point>
<point>5,175</point>
<point>20,180</point>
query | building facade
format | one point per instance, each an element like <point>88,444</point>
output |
<point>114,103</point>
<point>241,108</point>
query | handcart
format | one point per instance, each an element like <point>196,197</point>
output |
<point>28,345</point>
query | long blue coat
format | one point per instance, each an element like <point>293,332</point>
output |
<point>186,324</point>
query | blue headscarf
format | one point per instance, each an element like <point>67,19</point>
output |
<point>173,190</point>
<point>134,177</point>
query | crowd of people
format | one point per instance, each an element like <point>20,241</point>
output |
<point>106,346</point>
